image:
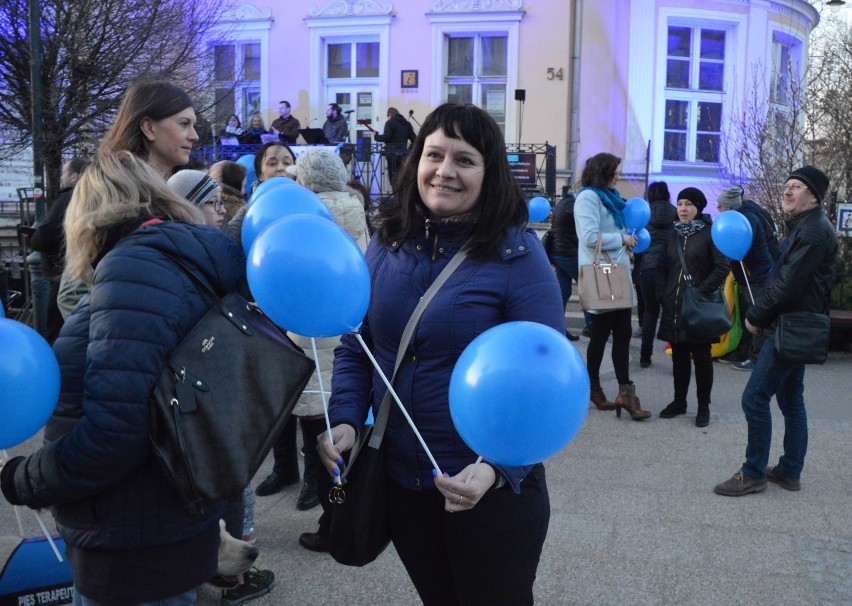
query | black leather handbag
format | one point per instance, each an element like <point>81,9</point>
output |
<point>223,398</point>
<point>359,530</point>
<point>706,316</point>
<point>802,337</point>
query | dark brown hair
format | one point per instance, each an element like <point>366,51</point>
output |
<point>600,170</point>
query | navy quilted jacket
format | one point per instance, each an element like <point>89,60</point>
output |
<point>517,284</point>
<point>96,468</point>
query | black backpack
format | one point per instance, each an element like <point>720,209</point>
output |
<point>768,229</point>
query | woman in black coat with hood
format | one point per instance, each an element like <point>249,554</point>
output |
<point>709,268</point>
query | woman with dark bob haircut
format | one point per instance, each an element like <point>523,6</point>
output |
<point>455,191</point>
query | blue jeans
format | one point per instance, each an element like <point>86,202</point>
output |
<point>787,383</point>
<point>184,599</point>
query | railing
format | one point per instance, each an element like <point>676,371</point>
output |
<point>534,164</point>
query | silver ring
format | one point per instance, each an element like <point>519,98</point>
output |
<point>461,498</point>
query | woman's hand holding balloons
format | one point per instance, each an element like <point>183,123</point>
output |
<point>461,494</point>
<point>344,439</point>
<point>629,241</point>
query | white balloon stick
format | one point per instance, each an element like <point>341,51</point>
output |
<point>745,275</point>
<point>336,479</point>
<point>473,471</point>
<point>399,403</point>
<point>48,537</point>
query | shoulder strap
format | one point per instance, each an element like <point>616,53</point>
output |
<point>203,286</point>
<point>407,333</point>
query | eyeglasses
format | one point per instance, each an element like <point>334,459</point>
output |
<point>793,188</point>
<point>217,205</point>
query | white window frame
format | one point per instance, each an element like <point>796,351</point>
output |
<point>246,25</point>
<point>333,30</point>
<point>505,23</point>
<point>735,62</point>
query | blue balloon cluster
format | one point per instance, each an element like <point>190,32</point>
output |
<point>519,393</point>
<point>29,382</point>
<point>643,241</point>
<point>276,203</point>
<point>309,276</point>
<point>269,184</point>
<point>732,235</point>
<point>637,213</point>
<point>539,209</point>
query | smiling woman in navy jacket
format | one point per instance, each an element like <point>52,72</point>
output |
<point>455,186</point>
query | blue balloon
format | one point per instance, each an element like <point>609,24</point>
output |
<point>732,235</point>
<point>309,276</point>
<point>637,213</point>
<point>519,393</point>
<point>29,382</point>
<point>644,241</point>
<point>276,204</point>
<point>247,162</point>
<point>539,209</point>
<point>269,184</point>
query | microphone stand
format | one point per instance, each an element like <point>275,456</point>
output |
<point>411,117</point>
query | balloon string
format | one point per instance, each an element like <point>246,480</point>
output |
<point>48,537</point>
<point>473,471</point>
<point>335,479</point>
<point>751,296</point>
<point>399,403</point>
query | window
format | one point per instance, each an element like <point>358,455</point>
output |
<point>353,60</point>
<point>236,69</point>
<point>785,67</point>
<point>476,72</point>
<point>695,93</point>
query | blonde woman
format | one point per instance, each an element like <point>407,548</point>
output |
<point>129,538</point>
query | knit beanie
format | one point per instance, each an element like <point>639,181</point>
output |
<point>694,195</point>
<point>730,198</point>
<point>814,179</point>
<point>194,186</point>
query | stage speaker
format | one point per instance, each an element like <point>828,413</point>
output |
<point>520,94</point>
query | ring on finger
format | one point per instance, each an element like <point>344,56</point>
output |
<point>461,498</point>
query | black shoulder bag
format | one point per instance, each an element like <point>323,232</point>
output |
<point>226,393</point>
<point>706,317</point>
<point>359,531</point>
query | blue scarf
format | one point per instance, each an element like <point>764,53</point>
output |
<point>613,202</point>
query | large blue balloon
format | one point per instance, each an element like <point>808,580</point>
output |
<point>643,238</point>
<point>276,204</point>
<point>731,233</point>
<point>269,184</point>
<point>247,162</point>
<point>637,213</point>
<point>309,276</point>
<point>519,393</point>
<point>29,382</point>
<point>539,209</point>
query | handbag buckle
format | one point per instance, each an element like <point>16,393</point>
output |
<point>337,495</point>
<point>607,269</point>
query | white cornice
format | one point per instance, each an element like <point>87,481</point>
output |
<point>456,6</point>
<point>347,8</point>
<point>246,12</point>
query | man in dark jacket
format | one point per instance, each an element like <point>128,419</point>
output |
<point>49,240</point>
<point>750,274</point>
<point>286,125</point>
<point>563,250</point>
<point>335,128</point>
<point>800,280</point>
<point>397,134</point>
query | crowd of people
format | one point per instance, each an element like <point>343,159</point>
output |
<point>127,211</point>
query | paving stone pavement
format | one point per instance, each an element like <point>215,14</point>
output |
<point>634,518</point>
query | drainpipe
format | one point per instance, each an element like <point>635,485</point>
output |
<point>573,142</point>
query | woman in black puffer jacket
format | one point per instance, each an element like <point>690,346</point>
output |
<point>708,267</point>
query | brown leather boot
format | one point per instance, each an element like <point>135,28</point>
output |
<point>629,401</point>
<point>598,398</point>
